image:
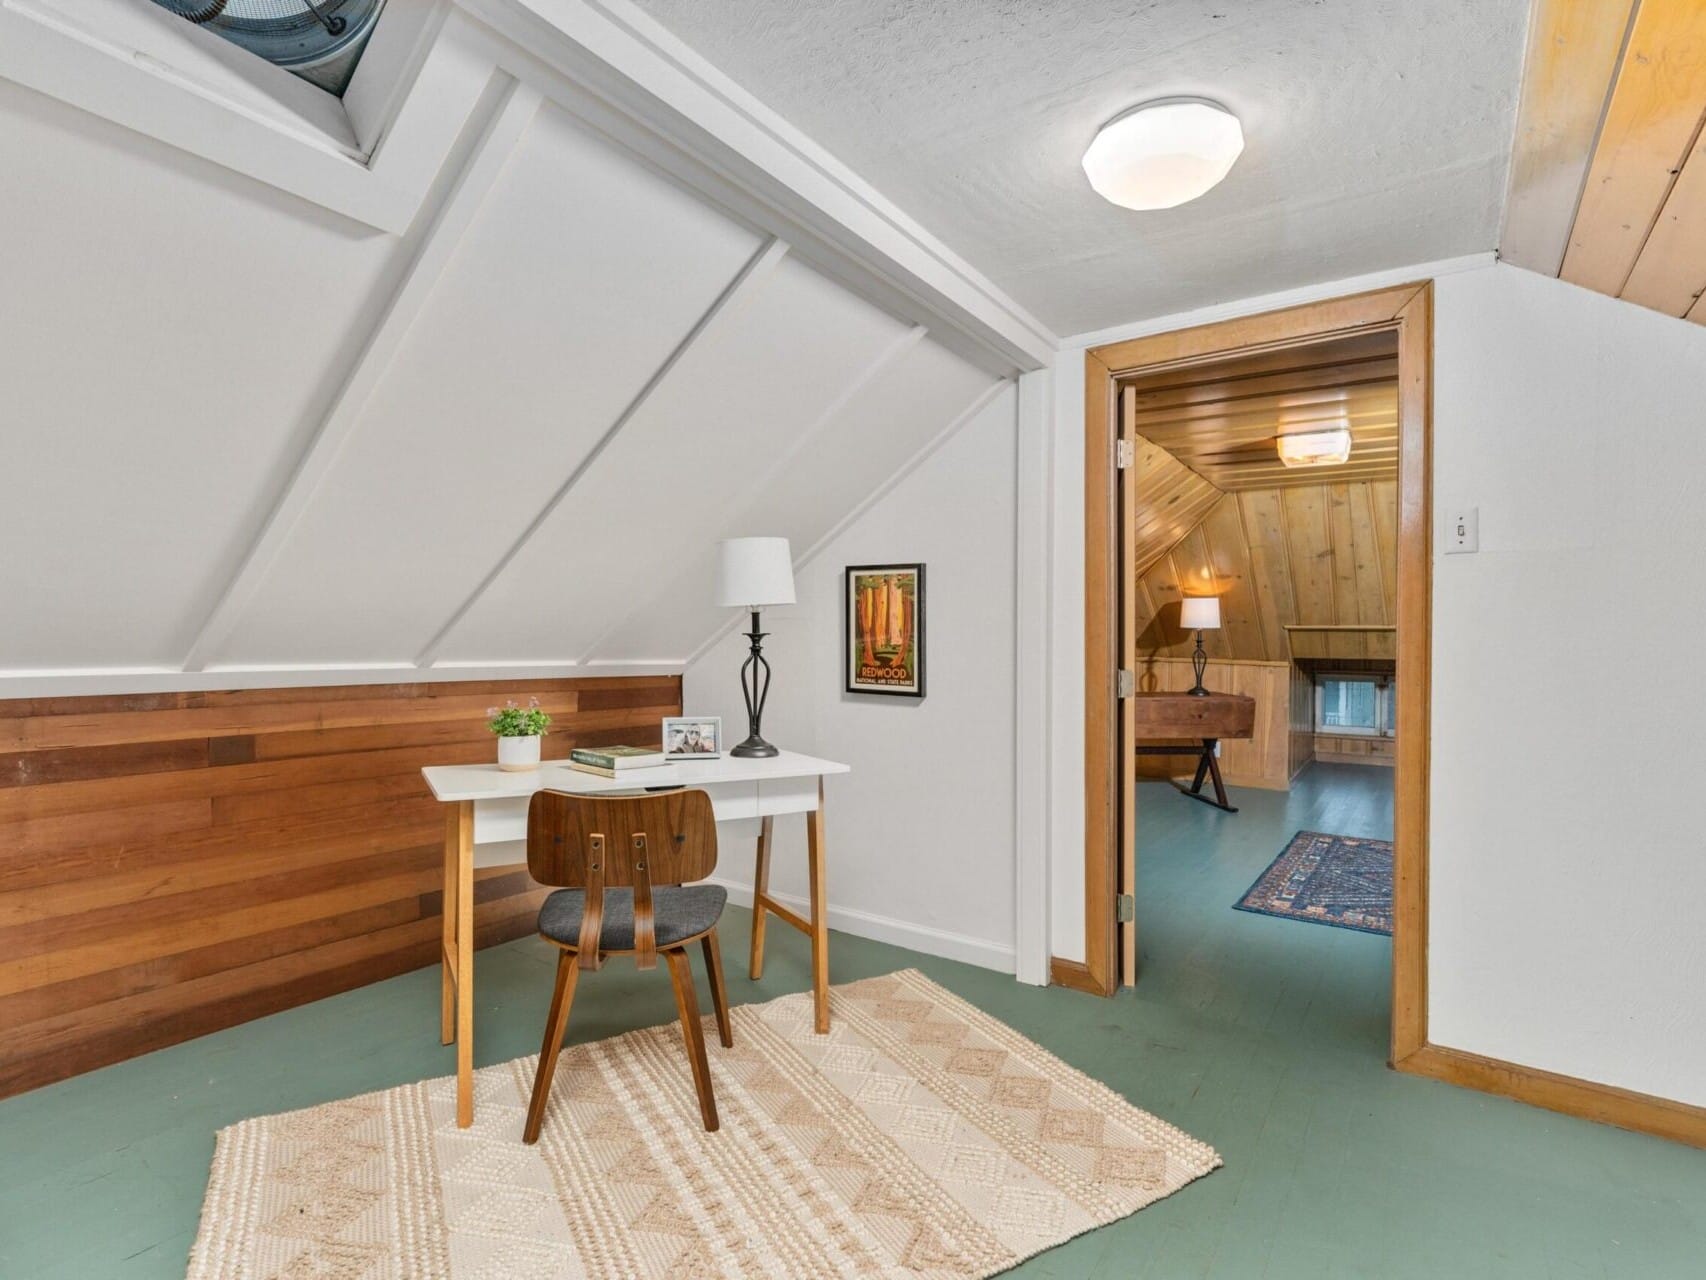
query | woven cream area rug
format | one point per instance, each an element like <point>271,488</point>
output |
<point>920,1137</point>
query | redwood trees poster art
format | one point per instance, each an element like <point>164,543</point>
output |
<point>884,651</point>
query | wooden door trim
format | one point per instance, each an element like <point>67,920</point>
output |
<point>1406,309</point>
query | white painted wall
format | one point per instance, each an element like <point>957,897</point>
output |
<point>1567,861</point>
<point>921,833</point>
<point>1566,855</point>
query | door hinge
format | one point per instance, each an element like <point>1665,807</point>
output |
<point>1125,908</point>
<point>1125,453</point>
<point>1125,682</point>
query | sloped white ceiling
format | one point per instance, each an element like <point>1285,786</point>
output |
<point>166,337</point>
<point>245,435</point>
<point>1378,131</point>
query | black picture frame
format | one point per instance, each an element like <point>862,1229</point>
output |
<point>915,633</point>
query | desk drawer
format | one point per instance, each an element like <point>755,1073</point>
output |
<point>503,820</point>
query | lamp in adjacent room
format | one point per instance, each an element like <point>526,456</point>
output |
<point>753,573</point>
<point>1199,614</point>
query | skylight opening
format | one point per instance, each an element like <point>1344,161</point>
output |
<point>319,40</point>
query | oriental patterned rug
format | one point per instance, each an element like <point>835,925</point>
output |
<point>920,1137</point>
<point>1338,880</point>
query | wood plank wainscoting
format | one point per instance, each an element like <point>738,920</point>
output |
<point>1259,761</point>
<point>175,863</point>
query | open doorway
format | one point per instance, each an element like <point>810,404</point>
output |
<point>1309,585</point>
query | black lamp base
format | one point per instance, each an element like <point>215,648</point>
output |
<point>755,686</point>
<point>1199,663</point>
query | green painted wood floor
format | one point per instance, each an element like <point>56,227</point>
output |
<point>1264,1037</point>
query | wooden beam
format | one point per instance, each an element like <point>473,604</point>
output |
<point>912,464</point>
<point>738,290</point>
<point>508,109</point>
<point>784,460</point>
<point>1573,51</point>
<point>1650,126</point>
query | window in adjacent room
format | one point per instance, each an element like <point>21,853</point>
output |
<point>1355,704</point>
<point>319,40</point>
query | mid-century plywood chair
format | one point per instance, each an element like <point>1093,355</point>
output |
<point>624,863</point>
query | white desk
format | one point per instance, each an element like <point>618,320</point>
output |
<point>486,825</point>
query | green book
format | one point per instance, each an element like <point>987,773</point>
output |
<point>617,759</point>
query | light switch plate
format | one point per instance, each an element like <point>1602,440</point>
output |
<point>1463,531</point>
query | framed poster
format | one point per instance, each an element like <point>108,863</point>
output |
<point>883,643</point>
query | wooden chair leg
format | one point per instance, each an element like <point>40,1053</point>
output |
<point>760,887</point>
<point>719,996</point>
<point>687,1004</point>
<point>556,1023</point>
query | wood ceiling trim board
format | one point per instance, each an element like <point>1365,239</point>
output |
<point>1670,274</point>
<point>1650,126</point>
<point>1330,377</point>
<point>1273,359</point>
<point>1573,51</point>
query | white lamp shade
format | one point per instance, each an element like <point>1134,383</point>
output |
<point>1162,154</point>
<point>753,572</point>
<point>1200,613</point>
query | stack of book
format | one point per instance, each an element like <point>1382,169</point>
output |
<point>616,762</point>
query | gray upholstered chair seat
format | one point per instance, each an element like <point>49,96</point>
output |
<point>681,910</point>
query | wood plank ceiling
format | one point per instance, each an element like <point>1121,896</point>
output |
<point>1217,514</point>
<point>1321,555</point>
<point>1221,420</point>
<point>1608,177</point>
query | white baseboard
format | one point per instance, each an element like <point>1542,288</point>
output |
<point>899,933</point>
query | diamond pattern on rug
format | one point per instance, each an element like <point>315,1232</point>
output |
<point>1345,881</point>
<point>919,1138</point>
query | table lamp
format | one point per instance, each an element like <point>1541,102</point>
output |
<point>753,573</point>
<point>1196,613</point>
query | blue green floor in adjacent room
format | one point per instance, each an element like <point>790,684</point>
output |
<point>1265,1037</point>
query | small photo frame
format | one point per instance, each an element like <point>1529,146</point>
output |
<point>692,737</point>
<point>883,641</point>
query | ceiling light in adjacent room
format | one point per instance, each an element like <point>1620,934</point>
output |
<point>1163,153</point>
<point>1326,448</point>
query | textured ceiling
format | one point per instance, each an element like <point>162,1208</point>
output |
<point>1378,131</point>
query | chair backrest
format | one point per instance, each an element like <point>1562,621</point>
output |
<point>598,842</point>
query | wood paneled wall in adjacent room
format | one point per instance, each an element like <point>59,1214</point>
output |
<point>1302,719</point>
<point>175,863</point>
<point>1322,554</point>
<point>1259,761</point>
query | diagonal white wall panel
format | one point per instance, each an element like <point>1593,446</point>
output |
<point>578,277</point>
<point>735,401</point>
<point>165,339</point>
<point>857,446</point>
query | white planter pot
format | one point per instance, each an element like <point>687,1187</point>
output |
<point>517,755</point>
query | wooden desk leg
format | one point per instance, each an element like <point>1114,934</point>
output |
<point>820,915</point>
<point>760,887</point>
<point>447,950</point>
<point>1214,772</point>
<point>1208,765</point>
<point>464,835</point>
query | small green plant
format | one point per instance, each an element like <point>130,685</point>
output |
<point>511,721</point>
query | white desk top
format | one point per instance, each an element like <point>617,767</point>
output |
<point>488,782</point>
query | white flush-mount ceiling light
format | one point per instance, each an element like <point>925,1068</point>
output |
<point>1325,448</point>
<point>1164,153</point>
